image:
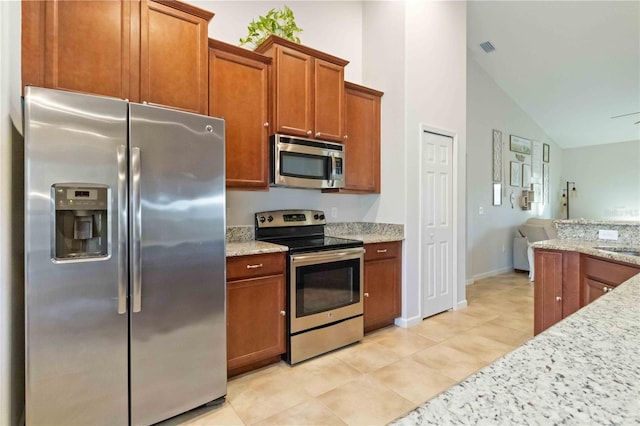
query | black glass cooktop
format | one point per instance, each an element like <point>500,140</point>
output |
<point>315,243</point>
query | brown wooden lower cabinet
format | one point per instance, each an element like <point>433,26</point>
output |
<point>566,281</point>
<point>256,314</point>
<point>602,276</point>
<point>382,284</point>
<point>557,287</point>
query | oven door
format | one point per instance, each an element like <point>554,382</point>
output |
<point>325,287</point>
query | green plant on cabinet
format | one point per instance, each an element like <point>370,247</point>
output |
<point>279,22</point>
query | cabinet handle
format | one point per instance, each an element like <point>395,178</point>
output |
<point>283,313</point>
<point>381,251</point>
<point>309,132</point>
<point>259,265</point>
<point>558,298</point>
<point>266,124</point>
<point>366,294</point>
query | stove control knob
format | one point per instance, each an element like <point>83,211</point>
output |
<point>261,219</point>
<point>316,216</point>
<point>270,218</point>
<point>321,217</point>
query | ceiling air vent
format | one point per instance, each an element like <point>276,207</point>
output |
<point>487,46</point>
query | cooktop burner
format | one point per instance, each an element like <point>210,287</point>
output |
<point>320,243</point>
<point>300,230</point>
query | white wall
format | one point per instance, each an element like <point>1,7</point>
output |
<point>11,287</point>
<point>435,92</point>
<point>383,59</point>
<point>488,108</point>
<point>607,181</point>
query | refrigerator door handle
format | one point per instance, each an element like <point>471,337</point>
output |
<point>122,229</point>
<point>136,225</point>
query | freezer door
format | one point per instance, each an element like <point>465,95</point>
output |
<point>178,326</point>
<point>76,320</point>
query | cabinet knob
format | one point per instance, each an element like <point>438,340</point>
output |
<point>309,132</point>
<point>283,313</point>
<point>259,265</point>
<point>345,137</point>
<point>558,298</point>
<point>266,124</point>
<point>366,295</point>
<point>606,289</point>
<point>318,134</point>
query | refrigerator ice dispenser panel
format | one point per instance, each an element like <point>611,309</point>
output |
<point>80,222</point>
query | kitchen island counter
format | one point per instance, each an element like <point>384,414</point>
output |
<point>589,247</point>
<point>583,370</point>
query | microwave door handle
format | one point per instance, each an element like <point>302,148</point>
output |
<point>332,167</point>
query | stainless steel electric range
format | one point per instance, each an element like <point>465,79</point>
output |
<point>324,282</point>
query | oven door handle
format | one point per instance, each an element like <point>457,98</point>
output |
<point>329,256</point>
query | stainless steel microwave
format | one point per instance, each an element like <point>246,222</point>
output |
<point>306,163</point>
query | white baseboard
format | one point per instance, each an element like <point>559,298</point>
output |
<point>408,322</point>
<point>491,273</point>
<point>460,305</point>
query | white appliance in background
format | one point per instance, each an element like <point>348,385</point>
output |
<point>125,260</point>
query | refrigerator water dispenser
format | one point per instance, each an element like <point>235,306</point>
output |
<point>80,221</point>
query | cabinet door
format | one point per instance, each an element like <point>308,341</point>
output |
<point>362,147</point>
<point>382,293</point>
<point>255,325</point>
<point>173,57</point>
<point>294,92</point>
<point>547,289</point>
<point>329,101</point>
<point>593,289</point>
<point>77,45</point>
<point>238,92</point>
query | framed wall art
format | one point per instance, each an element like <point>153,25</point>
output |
<point>518,144</point>
<point>545,152</point>
<point>516,174</point>
<point>526,176</point>
<point>497,194</point>
<point>497,156</point>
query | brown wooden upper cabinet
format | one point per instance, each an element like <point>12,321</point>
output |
<point>307,90</point>
<point>239,93</point>
<point>362,142</point>
<point>145,51</point>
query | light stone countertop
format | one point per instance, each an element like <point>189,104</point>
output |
<point>253,247</point>
<point>588,247</point>
<point>240,239</point>
<point>371,238</point>
<point>597,222</point>
<point>585,370</point>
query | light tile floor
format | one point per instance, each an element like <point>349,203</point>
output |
<point>389,373</point>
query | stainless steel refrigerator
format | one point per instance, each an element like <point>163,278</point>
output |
<point>125,260</point>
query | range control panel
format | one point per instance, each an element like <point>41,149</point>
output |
<point>282,218</point>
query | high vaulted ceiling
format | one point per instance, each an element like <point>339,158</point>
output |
<point>571,65</point>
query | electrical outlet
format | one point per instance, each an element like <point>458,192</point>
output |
<point>607,234</point>
<point>334,212</point>
<point>480,210</point>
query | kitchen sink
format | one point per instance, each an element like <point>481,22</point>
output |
<point>630,251</point>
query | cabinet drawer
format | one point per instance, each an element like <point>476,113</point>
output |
<point>383,250</point>
<point>607,271</point>
<point>255,265</point>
